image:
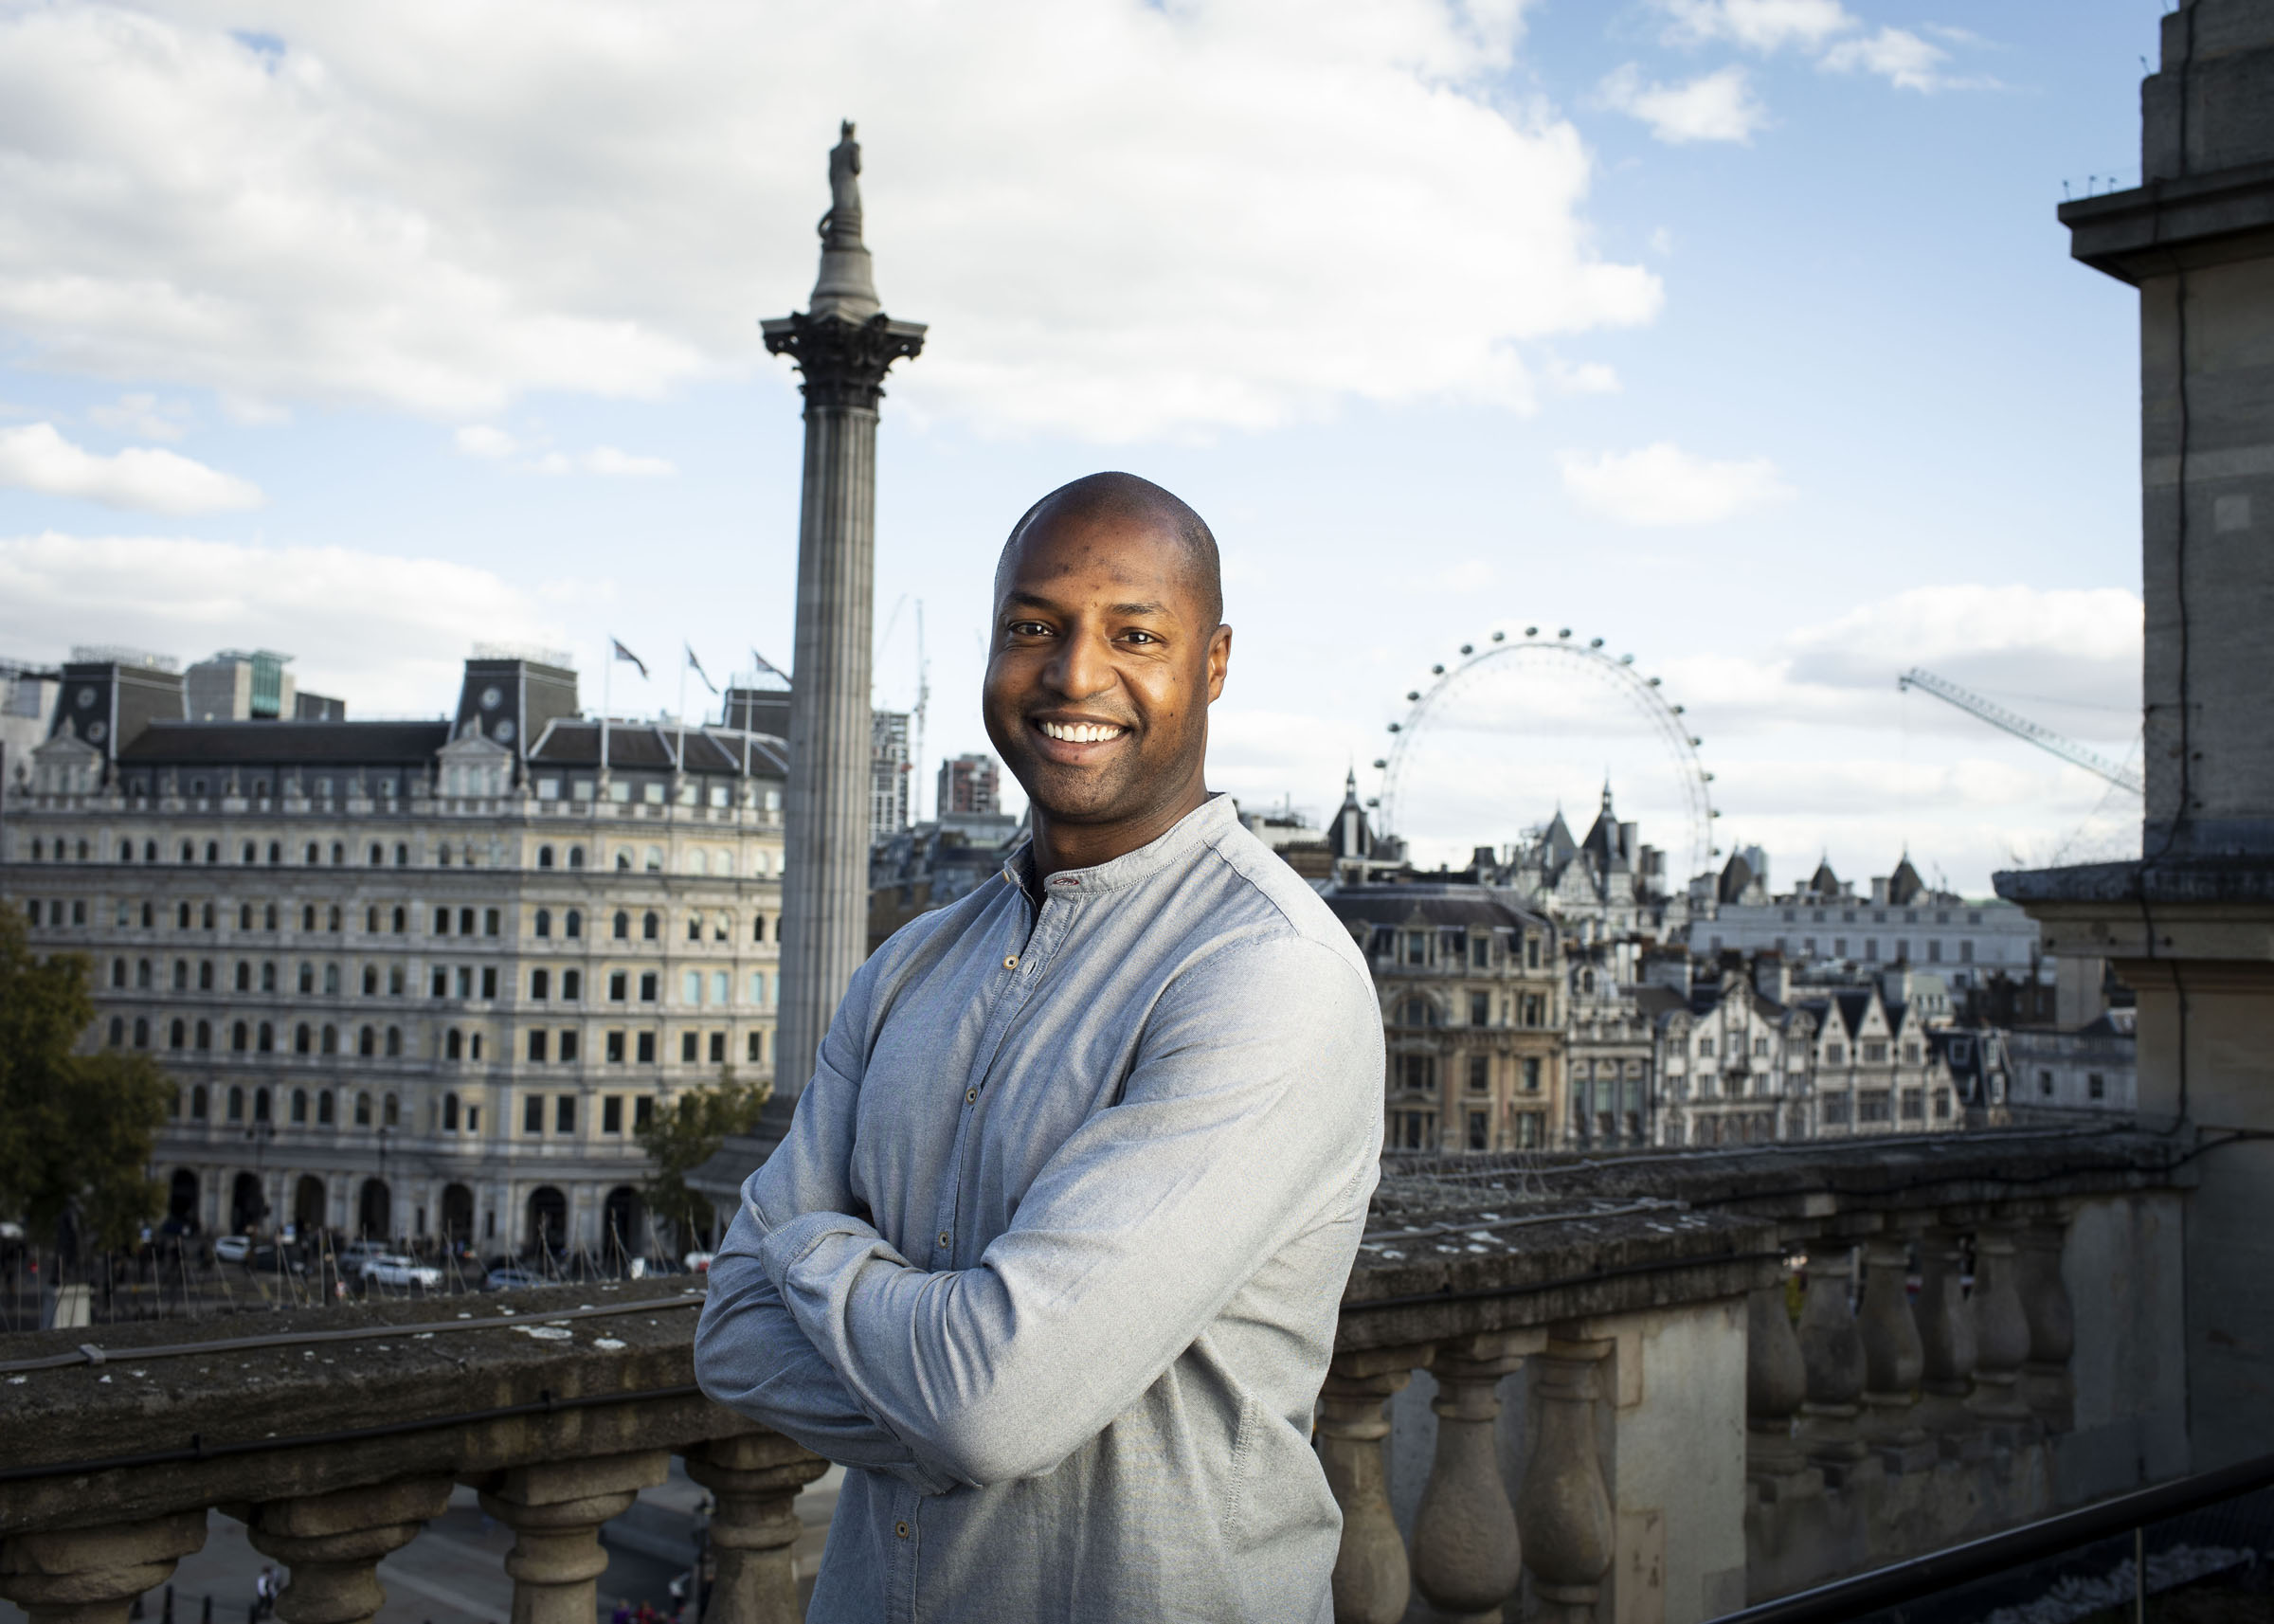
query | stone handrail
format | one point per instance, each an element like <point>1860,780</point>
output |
<point>1561,1389</point>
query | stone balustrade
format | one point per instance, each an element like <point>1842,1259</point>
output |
<point>1646,1389</point>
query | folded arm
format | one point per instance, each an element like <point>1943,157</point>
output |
<point>1255,1102</point>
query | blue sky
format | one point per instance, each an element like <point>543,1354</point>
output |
<point>1737,333</point>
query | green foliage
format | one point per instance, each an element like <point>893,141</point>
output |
<point>687,1130</point>
<point>76,1131</point>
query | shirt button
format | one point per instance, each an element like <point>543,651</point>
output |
<point>1011,963</point>
<point>970,1097</point>
<point>945,1240</point>
<point>901,1529</point>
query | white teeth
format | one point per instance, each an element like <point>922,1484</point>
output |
<point>1082,732</point>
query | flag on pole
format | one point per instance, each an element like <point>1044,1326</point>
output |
<point>766,667</point>
<point>623,653</point>
<point>696,667</point>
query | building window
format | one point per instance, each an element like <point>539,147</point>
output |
<point>617,981</point>
<point>449,1114</point>
<point>1531,1074</point>
<point>647,1048</point>
<point>688,1045</point>
<point>327,1110</point>
<point>542,923</point>
<point>394,1042</point>
<point>623,926</point>
<point>650,986</point>
<point>1480,1073</point>
<point>300,1105</point>
<point>2095,1087</point>
<point>536,1045</point>
<point>331,1040</point>
<point>545,853</point>
<point>540,984</point>
<point>758,987</point>
<point>442,921</point>
<point>265,1039</point>
<point>568,1048</point>
<point>1480,1007</point>
<point>651,927</point>
<point>691,989</point>
<point>615,1048</point>
<point>576,856</point>
<point>694,927</point>
<point>1479,1130</point>
<point>758,928</point>
<point>572,985</point>
<point>490,922</point>
<point>532,1113</point>
<point>721,983</point>
<point>236,1112</point>
<point>1875,1053</point>
<point>454,1045</point>
<point>611,1114</point>
<point>572,925</point>
<point>755,1049</point>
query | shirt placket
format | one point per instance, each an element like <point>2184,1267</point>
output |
<point>1014,984</point>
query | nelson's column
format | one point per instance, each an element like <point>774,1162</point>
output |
<point>845,344</point>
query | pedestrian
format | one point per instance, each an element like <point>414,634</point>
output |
<point>265,1593</point>
<point>1050,1256</point>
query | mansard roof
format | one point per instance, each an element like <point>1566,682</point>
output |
<point>645,746</point>
<point>285,744</point>
<point>1440,907</point>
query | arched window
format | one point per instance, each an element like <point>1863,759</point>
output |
<point>623,926</point>
<point>199,1101</point>
<point>245,975</point>
<point>544,856</point>
<point>694,927</point>
<point>362,1110</point>
<point>177,1036</point>
<point>236,1103</point>
<point>572,983</point>
<point>330,981</point>
<point>655,860</point>
<point>248,852</point>
<point>623,858</point>
<point>726,862</point>
<point>454,1045</point>
<point>268,917</point>
<point>331,1040</point>
<point>399,922</point>
<point>576,856</point>
<point>126,851</point>
<point>39,849</point>
<point>449,1114</point>
<point>540,983</point>
<point>401,855</point>
<point>542,924</point>
<point>141,1032</point>
<point>182,916</point>
<point>367,1040</point>
<point>181,975</point>
<point>696,860</point>
<point>150,852</point>
<point>205,975</point>
<point>370,920</point>
<point>339,851</point>
<point>213,851</point>
<point>722,927</point>
<point>314,853</point>
<point>207,916</point>
<point>378,855</point>
<point>572,925</point>
<point>308,917</point>
<point>268,975</point>
<point>118,972</point>
<point>303,1039</point>
<point>205,1035</point>
<point>326,1112</point>
<point>332,918</point>
<point>394,1040</point>
<point>265,1037</point>
<point>241,1038</point>
<point>758,928</point>
<point>117,1031</point>
<point>276,851</point>
<point>651,927</point>
<point>392,1113</point>
<point>370,981</point>
<point>260,1104</point>
<point>300,1105</point>
<point>142,974</point>
<point>244,916</point>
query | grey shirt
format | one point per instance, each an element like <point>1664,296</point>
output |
<point>1052,1255</point>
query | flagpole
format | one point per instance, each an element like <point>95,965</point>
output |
<point>681,763</point>
<point>608,673</point>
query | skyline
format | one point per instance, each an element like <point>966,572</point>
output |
<point>1740,334</point>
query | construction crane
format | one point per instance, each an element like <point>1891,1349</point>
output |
<point>2021,728</point>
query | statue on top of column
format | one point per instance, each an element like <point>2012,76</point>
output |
<point>841,226</point>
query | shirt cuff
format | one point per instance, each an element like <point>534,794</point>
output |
<point>783,1248</point>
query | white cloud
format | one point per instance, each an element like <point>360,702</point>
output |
<point>1718,106</point>
<point>1663,484</point>
<point>1901,58</point>
<point>606,459</point>
<point>143,414</point>
<point>36,457</point>
<point>1758,25</point>
<point>388,634</point>
<point>481,439</point>
<point>1121,220</point>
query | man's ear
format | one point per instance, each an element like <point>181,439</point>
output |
<point>1219,660</point>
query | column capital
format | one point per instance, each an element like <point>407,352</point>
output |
<point>844,362</point>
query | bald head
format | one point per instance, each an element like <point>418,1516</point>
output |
<point>1126,499</point>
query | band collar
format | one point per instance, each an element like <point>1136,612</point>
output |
<point>1204,823</point>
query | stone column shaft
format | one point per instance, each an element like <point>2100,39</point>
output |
<point>91,1575</point>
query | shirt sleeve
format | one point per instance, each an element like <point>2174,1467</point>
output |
<point>1252,1113</point>
<point>750,1353</point>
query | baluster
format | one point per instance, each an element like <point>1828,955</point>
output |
<point>92,1576</point>
<point>1372,1582</point>
<point>1775,1383</point>
<point>1467,1559</point>
<point>1894,1357</point>
<point>555,1510</point>
<point>1563,1510</point>
<point>2001,1333</point>
<point>1946,1338</point>
<point>2047,1383</point>
<point>1834,1351</point>
<point>755,1481</point>
<point>331,1544</point>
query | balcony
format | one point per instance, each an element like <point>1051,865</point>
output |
<point>1563,1389</point>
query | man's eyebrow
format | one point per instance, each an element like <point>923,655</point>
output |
<point>1127,611</point>
<point>1134,610</point>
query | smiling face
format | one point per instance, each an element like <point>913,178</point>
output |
<point>1107,654</point>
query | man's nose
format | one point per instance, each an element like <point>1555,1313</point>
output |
<point>1081,668</point>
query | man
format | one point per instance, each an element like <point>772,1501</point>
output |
<point>1051,1254</point>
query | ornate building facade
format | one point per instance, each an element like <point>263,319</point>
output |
<point>414,979</point>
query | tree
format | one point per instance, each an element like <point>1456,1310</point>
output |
<point>76,1131</point>
<point>686,1132</point>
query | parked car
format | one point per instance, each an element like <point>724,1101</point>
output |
<point>233,1248</point>
<point>353,1255</point>
<point>512,1279</point>
<point>393,1269</point>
